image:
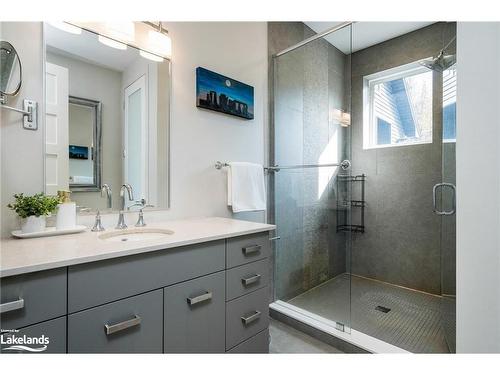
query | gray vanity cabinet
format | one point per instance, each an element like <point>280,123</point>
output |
<point>246,249</point>
<point>246,316</point>
<point>209,297</point>
<point>117,278</point>
<point>32,298</point>
<point>256,344</point>
<point>194,316</point>
<point>132,325</point>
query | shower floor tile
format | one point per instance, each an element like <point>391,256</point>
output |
<point>413,321</point>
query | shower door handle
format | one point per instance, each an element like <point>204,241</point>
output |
<point>434,199</point>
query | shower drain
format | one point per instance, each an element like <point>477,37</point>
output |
<point>383,309</point>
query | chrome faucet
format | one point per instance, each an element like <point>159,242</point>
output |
<point>106,190</point>
<point>121,219</point>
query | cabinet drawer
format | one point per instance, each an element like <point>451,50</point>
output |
<point>246,316</point>
<point>246,249</point>
<point>256,344</point>
<point>32,298</point>
<point>195,316</point>
<point>54,331</point>
<point>114,279</point>
<point>132,325</point>
<point>247,278</point>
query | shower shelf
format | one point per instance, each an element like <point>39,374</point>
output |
<point>344,206</point>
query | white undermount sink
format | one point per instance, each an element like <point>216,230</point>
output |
<point>136,234</point>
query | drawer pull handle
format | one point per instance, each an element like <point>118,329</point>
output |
<point>110,329</point>
<point>11,306</point>
<point>202,297</point>
<point>251,280</point>
<point>250,250</point>
<point>251,318</point>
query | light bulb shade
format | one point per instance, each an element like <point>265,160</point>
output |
<point>124,31</point>
<point>345,119</point>
<point>61,25</point>
<point>112,43</point>
<point>150,56</point>
<point>160,43</point>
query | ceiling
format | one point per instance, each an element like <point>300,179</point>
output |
<point>365,34</point>
<point>86,47</point>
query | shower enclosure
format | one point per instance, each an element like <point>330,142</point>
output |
<point>363,190</point>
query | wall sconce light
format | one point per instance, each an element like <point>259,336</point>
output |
<point>343,118</point>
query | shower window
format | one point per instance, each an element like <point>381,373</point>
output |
<point>398,107</point>
<point>449,104</point>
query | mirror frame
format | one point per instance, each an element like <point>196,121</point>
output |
<point>97,149</point>
<point>18,88</point>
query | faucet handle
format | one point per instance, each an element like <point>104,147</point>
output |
<point>140,219</point>
<point>98,227</point>
<point>141,203</point>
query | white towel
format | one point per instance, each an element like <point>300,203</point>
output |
<point>246,189</point>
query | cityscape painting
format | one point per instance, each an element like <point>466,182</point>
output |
<point>222,94</point>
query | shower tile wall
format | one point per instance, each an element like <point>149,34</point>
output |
<point>310,82</point>
<point>401,244</point>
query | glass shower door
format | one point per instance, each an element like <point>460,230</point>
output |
<point>448,220</point>
<point>311,139</point>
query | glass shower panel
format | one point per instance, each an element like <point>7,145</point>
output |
<point>448,222</point>
<point>311,137</point>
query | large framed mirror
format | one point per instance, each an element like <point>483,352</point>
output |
<point>106,120</point>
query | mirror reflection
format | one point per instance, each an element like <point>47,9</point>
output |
<point>106,121</point>
<point>10,72</point>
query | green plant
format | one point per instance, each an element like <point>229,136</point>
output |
<point>35,205</point>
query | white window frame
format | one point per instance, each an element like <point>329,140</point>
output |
<point>369,120</point>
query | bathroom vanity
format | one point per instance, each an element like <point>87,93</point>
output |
<point>202,289</point>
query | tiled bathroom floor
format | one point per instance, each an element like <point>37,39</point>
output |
<point>413,322</point>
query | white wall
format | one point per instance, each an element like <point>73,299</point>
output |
<point>478,187</point>
<point>198,138</point>
<point>22,161</point>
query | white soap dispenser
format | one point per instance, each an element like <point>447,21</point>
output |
<point>66,211</point>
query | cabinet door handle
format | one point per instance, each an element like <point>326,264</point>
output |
<point>249,250</point>
<point>110,329</point>
<point>202,297</point>
<point>11,306</point>
<point>251,280</point>
<point>251,318</point>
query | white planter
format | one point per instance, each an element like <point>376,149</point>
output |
<point>33,224</point>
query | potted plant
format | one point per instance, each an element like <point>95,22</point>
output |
<point>33,210</point>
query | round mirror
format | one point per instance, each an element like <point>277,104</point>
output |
<point>10,69</point>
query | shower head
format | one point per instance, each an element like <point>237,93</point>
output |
<point>440,63</point>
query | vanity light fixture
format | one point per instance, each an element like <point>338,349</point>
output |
<point>111,43</point>
<point>64,26</point>
<point>159,41</point>
<point>124,31</point>
<point>150,56</point>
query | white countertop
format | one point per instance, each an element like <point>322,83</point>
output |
<point>18,256</point>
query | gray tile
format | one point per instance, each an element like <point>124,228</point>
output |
<point>285,339</point>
